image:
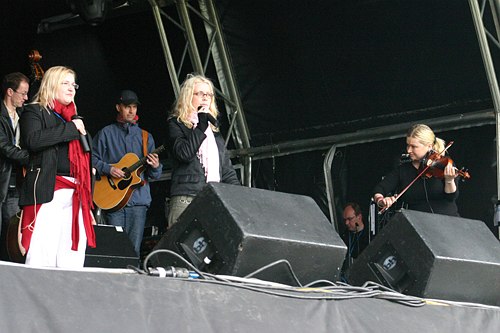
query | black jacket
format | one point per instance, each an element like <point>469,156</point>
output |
<point>425,195</point>
<point>42,133</point>
<point>188,176</point>
<point>10,155</point>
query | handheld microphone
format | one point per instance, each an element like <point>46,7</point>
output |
<point>209,116</point>
<point>83,138</point>
<point>171,271</point>
<point>405,158</point>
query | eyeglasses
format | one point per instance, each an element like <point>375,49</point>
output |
<point>21,93</point>
<point>66,83</point>
<point>202,94</point>
<point>349,218</point>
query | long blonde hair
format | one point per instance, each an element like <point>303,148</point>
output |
<point>51,81</point>
<point>426,136</point>
<point>183,107</point>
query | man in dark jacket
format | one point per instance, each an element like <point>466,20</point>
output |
<point>110,145</point>
<point>15,88</point>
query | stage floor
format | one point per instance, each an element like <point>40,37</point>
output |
<point>123,300</point>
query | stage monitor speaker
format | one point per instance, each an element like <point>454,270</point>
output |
<point>236,230</point>
<point>113,249</point>
<point>433,256</point>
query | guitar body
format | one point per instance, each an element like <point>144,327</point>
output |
<point>113,193</point>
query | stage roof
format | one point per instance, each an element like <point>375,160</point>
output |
<point>304,68</point>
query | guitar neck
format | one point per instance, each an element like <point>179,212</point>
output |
<point>143,160</point>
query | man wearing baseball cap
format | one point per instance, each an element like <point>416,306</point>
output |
<point>128,97</point>
<point>110,145</point>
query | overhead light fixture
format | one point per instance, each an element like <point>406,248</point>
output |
<point>92,12</point>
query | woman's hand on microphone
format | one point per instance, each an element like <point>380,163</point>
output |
<point>202,121</point>
<point>205,110</point>
<point>80,126</point>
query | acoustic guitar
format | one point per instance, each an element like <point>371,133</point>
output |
<point>112,193</point>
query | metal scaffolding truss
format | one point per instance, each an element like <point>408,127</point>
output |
<point>216,52</point>
<point>202,51</point>
<point>481,15</point>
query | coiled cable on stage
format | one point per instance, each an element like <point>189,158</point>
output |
<point>319,290</point>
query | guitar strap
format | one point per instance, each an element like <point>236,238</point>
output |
<point>144,146</point>
<point>144,143</point>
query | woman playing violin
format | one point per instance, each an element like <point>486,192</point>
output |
<point>435,191</point>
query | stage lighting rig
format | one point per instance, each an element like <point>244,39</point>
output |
<point>91,12</point>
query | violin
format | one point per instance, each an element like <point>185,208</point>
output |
<point>436,164</point>
<point>36,70</point>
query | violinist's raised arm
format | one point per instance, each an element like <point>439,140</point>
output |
<point>414,188</point>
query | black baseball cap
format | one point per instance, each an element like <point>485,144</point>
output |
<point>128,97</point>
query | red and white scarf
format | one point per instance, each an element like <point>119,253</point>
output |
<point>80,170</point>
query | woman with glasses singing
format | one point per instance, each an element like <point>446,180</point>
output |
<point>56,199</point>
<point>197,147</point>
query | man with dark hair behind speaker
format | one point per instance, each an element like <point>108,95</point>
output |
<point>356,235</point>
<point>197,147</point>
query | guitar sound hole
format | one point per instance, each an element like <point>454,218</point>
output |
<point>127,173</point>
<point>124,183</point>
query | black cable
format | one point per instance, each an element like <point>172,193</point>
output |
<point>311,284</point>
<point>333,291</point>
<point>137,269</point>
<point>341,292</point>
<point>349,248</point>
<point>155,252</point>
<point>427,196</point>
<point>277,262</point>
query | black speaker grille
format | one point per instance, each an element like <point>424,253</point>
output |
<point>437,256</point>
<point>247,228</point>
